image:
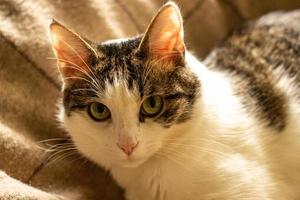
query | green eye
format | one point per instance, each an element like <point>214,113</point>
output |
<point>98,111</point>
<point>152,106</point>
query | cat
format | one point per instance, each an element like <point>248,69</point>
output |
<point>169,127</point>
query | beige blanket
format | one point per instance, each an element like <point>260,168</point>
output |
<point>30,87</point>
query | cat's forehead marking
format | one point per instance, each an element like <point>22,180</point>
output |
<point>118,89</point>
<point>123,103</point>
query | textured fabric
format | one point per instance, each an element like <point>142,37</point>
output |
<point>30,85</point>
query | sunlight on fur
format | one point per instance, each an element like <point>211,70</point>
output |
<point>169,127</point>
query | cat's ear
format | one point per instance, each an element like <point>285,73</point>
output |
<point>74,54</point>
<point>164,38</point>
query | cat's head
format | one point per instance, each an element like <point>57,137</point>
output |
<point>123,100</point>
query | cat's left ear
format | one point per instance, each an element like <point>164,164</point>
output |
<point>164,38</point>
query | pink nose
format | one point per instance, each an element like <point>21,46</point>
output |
<point>127,148</point>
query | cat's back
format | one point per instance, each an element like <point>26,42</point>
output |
<point>262,60</point>
<point>262,63</point>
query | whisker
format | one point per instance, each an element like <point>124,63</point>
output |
<point>78,55</point>
<point>88,89</point>
<point>80,158</point>
<point>78,68</point>
<point>57,147</point>
<point>61,151</point>
<point>93,82</point>
<point>67,61</point>
<point>53,139</point>
<point>62,157</point>
<point>80,78</point>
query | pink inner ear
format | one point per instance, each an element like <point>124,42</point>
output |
<point>71,64</point>
<point>176,43</point>
<point>166,34</point>
<point>169,47</point>
<point>72,51</point>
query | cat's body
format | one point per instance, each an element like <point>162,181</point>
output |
<point>232,154</point>
<point>228,129</point>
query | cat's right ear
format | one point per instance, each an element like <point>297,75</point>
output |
<point>164,38</point>
<point>74,54</point>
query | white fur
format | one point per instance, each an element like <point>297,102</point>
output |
<point>223,153</point>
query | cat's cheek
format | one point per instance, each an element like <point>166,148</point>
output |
<point>152,138</point>
<point>87,138</point>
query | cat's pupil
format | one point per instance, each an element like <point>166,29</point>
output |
<point>152,102</point>
<point>100,108</point>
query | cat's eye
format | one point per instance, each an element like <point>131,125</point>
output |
<point>98,111</point>
<point>152,106</point>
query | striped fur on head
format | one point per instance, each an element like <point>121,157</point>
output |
<point>121,74</point>
<point>121,61</point>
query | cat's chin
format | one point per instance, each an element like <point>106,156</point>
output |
<point>131,162</point>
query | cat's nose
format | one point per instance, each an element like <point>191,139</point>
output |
<point>127,147</point>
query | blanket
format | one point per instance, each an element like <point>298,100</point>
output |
<point>30,85</point>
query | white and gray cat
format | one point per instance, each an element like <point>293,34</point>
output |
<point>169,127</point>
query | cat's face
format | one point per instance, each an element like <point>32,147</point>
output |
<point>124,100</point>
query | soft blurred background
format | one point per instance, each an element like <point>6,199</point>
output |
<point>30,85</point>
